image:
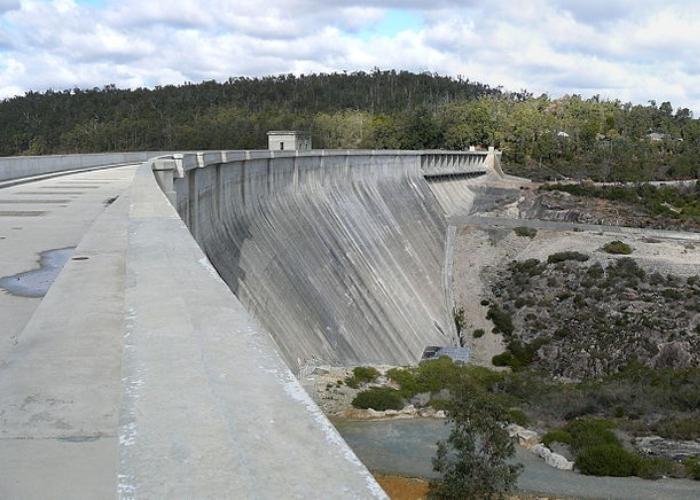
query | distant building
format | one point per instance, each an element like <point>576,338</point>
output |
<point>456,354</point>
<point>288,140</point>
<point>562,134</point>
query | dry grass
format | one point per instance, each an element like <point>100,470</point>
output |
<point>403,488</point>
<point>410,488</point>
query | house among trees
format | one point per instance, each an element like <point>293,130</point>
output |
<point>281,140</point>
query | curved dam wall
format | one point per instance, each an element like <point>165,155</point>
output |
<point>339,254</point>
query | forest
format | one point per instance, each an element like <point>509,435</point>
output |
<point>541,137</point>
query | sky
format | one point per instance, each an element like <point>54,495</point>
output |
<point>632,50</point>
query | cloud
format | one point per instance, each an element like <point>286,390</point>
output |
<point>6,5</point>
<point>629,49</point>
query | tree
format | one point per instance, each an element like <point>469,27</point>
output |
<point>473,459</point>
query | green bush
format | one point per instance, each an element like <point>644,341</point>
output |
<point>484,302</point>
<point>437,374</point>
<point>518,417</point>
<point>556,436</point>
<point>502,321</point>
<point>617,247</point>
<point>406,379</point>
<point>596,271</point>
<point>672,294</point>
<point>379,398</point>
<point>478,333</point>
<point>564,256</point>
<point>607,460</point>
<point>519,355</point>
<point>458,316</point>
<point>440,404</point>
<point>362,375</point>
<point>530,267</point>
<point>692,468</point>
<point>588,432</point>
<point>679,428</point>
<point>352,382</point>
<point>654,468</point>
<point>625,268</point>
<point>503,359</point>
<point>525,232</point>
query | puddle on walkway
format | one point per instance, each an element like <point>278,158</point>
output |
<point>36,283</point>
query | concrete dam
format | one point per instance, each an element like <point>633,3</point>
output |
<point>160,360</point>
<point>341,256</point>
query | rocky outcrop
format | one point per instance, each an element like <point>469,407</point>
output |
<point>674,355</point>
<point>526,438</point>
<point>667,448</point>
<point>530,440</point>
<point>552,459</point>
<point>409,411</point>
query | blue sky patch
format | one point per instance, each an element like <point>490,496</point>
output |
<point>393,22</point>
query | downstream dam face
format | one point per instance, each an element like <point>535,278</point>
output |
<point>340,255</point>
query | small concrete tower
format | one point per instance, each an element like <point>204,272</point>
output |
<point>288,140</point>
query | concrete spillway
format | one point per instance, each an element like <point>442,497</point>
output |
<point>340,256</point>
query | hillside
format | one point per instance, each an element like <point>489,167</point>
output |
<point>540,137</point>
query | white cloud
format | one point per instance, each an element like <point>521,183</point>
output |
<point>627,49</point>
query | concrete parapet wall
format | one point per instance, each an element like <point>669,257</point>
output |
<point>209,408</point>
<point>16,167</point>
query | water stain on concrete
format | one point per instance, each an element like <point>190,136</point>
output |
<point>36,283</point>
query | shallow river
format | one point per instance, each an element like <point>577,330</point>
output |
<point>405,447</point>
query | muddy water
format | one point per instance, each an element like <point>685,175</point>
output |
<point>406,447</point>
<point>36,282</point>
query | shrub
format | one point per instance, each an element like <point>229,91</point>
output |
<point>478,333</point>
<point>588,432</point>
<point>437,374</point>
<point>679,428</point>
<point>365,373</point>
<point>406,380</point>
<point>503,359</point>
<point>692,468</point>
<point>485,302</point>
<point>524,354</point>
<point>556,436</point>
<point>378,398</point>
<point>502,321</point>
<point>595,271</point>
<point>458,315</point>
<point>625,268</point>
<point>617,247</point>
<point>564,256</point>
<point>361,375</point>
<point>440,404</point>
<point>531,267</point>
<point>352,382</point>
<point>672,294</point>
<point>518,417</point>
<point>607,460</point>
<point>525,232</point>
<point>654,468</point>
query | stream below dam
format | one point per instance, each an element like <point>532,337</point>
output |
<point>406,447</point>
